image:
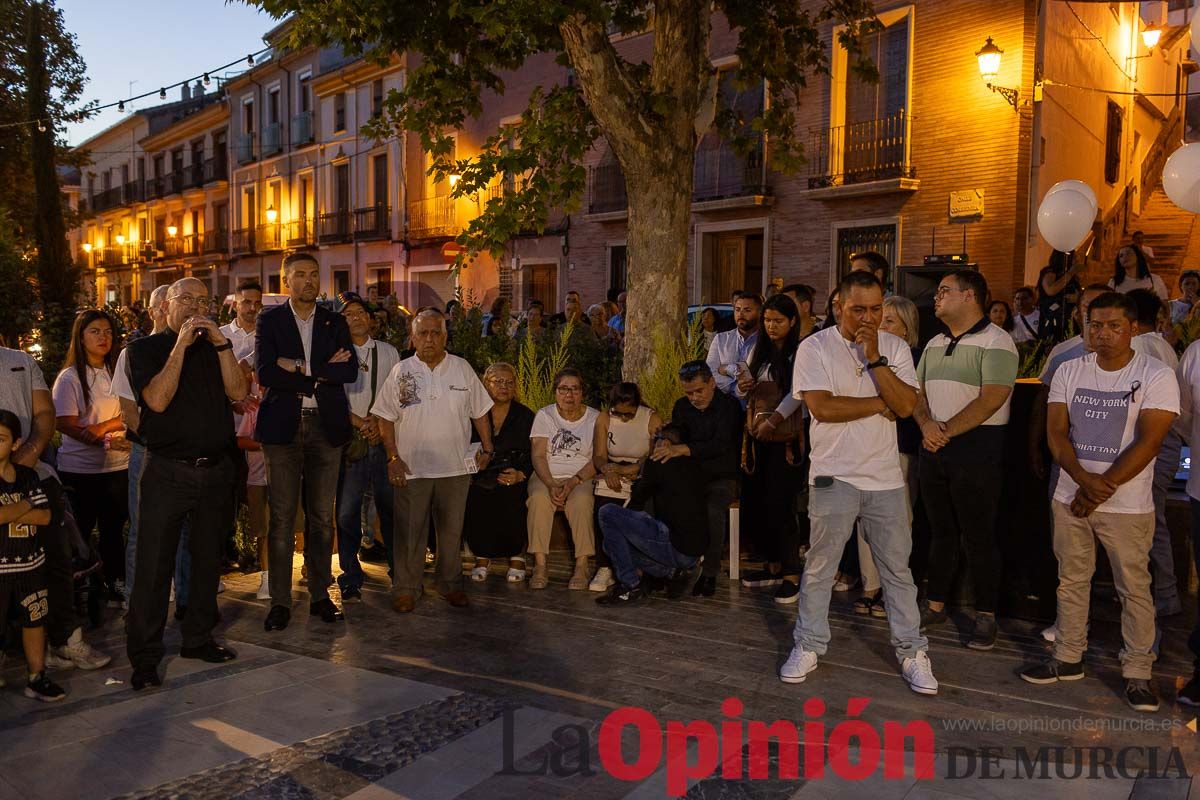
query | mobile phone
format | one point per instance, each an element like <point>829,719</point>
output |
<point>823,481</point>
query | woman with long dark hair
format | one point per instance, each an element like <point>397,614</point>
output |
<point>771,474</point>
<point>1131,259</point>
<point>1000,314</point>
<point>93,460</point>
<point>1058,291</point>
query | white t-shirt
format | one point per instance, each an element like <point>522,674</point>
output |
<point>1154,345</point>
<point>1023,333</point>
<point>1062,353</point>
<point>74,455</point>
<point>432,411</point>
<point>1104,408</point>
<point>242,341</point>
<point>862,453</point>
<point>120,379</point>
<point>1153,283</point>
<point>569,447</point>
<point>359,392</point>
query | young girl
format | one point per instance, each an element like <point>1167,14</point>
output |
<point>23,510</point>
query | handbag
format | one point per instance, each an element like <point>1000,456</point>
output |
<point>358,448</point>
<point>764,398</point>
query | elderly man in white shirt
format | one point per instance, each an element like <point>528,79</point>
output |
<point>730,350</point>
<point>425,411</point>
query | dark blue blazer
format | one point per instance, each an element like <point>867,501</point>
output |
<point>278,337</point>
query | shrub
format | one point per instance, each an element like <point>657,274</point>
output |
<point>538,363</point>
<point>660,384</point>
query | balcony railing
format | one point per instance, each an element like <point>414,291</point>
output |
<point>192,244</point>
<point>302,128</point>
<point>299,233</point>
<point>243,148</point>
<point>156,188</point>
<point>173,247</point>
<point>193,175</point>
<point>272,139</point>
<point>174,181</point>
<point>216,169</point>
<point>215,241</point>
<point>134,191</point>
<point>372,223</point>
<point>721,172</point>
<point>243,240</point>
<point>112,257</point>
<point>334,227</point>
<point>607,189</point>
<point>269,237</point>
<point>433,216</point>
<point>874,150</point>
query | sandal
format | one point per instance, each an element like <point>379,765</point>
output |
<point>877,609</point>
<point>579,579</point>
<point>479,574</point>
<point>844,583</point>
<point>515,575</point>
<point>539,579</point>
<point>863,604</point>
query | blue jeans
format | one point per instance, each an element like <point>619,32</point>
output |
<point>635,540</point>
<point>183,559</point>
<point>883,522</point>
<point>356,477</point>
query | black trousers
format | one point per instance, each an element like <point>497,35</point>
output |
<point>62,620</point>
<point>720,493</point>
<point>961,502</point>
<point>769,505</point>
<point>102,498</point>
<point>171,493</point>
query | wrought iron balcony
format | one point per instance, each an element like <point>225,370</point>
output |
<point>216,169</point>
<point>173,247</point>
<point>193,175</point>
<point>721,172</point>
<point>272,139</point>
<point>243,240</point>
<point>861,152</point>
<point>334,227</point>
<point>243,148</point>
<point>269,237</point>
<point>192,244</point>
<point>113,257</point>
<point>432,217</point>
<point>134,191</point>
<point>174,181</point>
<point>302,129</point>
<point>606,192</point>
<point>299,233</point>
<point>215,241</point>
<point>372,223</point>
<point>155,188</point>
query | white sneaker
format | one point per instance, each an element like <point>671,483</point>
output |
<point>264,587</point>
<point>919,674</point>
<point>55,661</point>
<point>799,663</point>
<point>221,587</point>
<point>601,580</point>
<point>80,653</point>
<point>479,574</point>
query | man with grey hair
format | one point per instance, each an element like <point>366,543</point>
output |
<point>425,410</point>
<point>185,379</point>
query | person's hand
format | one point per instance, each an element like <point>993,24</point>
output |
<point>510,477</point>
<point>398,473</point>
<point>286,364</point>
<point>612,479</point>
<point>189,333</point>
<point>934,435</point>
<point>212,331</point>
<point>482,459</point>
<point>370,430</point>
<point>665,451</point>
<point>340,357</point>
<point>1082,505</point>
<point>120,443</point>
<point>867,335</point>
<point>1096,488</point>
<point>746,382</point>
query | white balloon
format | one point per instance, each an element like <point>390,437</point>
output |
<point>1065,218</point>
<point>1075,186</point>
<point>1181,177</point>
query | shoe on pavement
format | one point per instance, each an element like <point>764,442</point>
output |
<point>706,586</point>
<point>929,617</point>
<point>375,554</point>
<point>1140,696</point>
<point>351,594</point>
<point>761,578</point>
<point>878,609</point>
<point>479,574</point>
<point>601,580</point>
<point>679,582</point>
<point>143,677</point>
<point>327,610</point>
<point>277,618</point>
<point>918,671</point>
<point>55,661</point>
<point>80,653</point>
<point>515,575</point>
<point>621,595</point>
<point>457,598</point>
<point>787,592</point>
<point>1052,671</point>
<point>579,579</point>
<point>44,689</point>
<point>210,651</point>
<point>404,604</point>
<point>264,587</point>
<point>1050,634</point>
<point>1189,695</point>
<point>221,587</point>
<point>539,580</point>
<point>799,663</point>
<point>984,635</point>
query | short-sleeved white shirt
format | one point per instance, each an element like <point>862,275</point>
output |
<point>1103,408</point>
<point>74,455</point>
<point>864,452</point>
<point>432,412</point>
<point>359,392</point>
<point>242,341</point>
<point>120,379</point>
<point>569,443</point>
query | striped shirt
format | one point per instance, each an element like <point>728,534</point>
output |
<point>982,357</point>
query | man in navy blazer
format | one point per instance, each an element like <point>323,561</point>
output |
<point>304,357</point>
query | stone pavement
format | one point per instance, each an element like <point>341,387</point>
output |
<point>505,700</point>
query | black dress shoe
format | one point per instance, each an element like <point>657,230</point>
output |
<point>375,554</point>
<point>210,651</point>
<point>679,582</point>
<point>327,610</point>
<point>180,613</point>
<point>277,618</point>
<point>706,586</point>
<point>143,677</point>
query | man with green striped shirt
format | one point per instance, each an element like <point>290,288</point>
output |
<point>966,384</point>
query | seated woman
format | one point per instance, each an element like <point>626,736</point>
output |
<point>622,441</point>
<point>494,526</point>
<point>562,439</point>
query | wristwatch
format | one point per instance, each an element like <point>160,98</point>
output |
<point>227,346</point>
<point>879,362</point>
<point>299,365</point>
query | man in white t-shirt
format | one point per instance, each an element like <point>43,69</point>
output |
<point>241,330</point>
<point>855,381</point>
<point>1108,414</point>
<point>425,410</point>
<point>1026,317</point>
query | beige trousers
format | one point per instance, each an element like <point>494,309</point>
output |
<point>1127,539</point>
<point>540,520</point>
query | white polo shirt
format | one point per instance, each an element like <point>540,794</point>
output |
<point>243,342</point>
<point>432,412</point>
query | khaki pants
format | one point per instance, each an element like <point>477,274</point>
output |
<point>579,517</point>
<point>1127,539</point>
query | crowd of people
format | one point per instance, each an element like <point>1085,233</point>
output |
<point>824,430</point>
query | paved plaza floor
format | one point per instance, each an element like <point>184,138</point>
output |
<point>506,699</point>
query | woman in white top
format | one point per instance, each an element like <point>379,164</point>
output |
<point>1132,271</point>
<point>562,439</point>
<point>774,469</point>
<point>93,459</point>
<point>624,434</point>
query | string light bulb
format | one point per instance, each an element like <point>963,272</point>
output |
<point>121,106</point>
<point>250,60</point>
<point>162,94</point>
<point>207,81</point>
<point>41,126</point>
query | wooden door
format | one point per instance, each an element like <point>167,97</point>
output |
<point>543,285</point>
<point>731,266</point>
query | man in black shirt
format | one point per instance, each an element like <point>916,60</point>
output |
<point>711,425</point>
<point>666,545</point>
<point>184,379</point>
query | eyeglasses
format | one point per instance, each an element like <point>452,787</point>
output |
<point>188,300</point>
<point>502,383</point>
<point>942,291</point>
<point>570,389</point>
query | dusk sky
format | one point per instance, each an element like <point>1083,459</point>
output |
<point>154,42</point>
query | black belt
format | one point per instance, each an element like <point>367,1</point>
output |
<point>309,412</point>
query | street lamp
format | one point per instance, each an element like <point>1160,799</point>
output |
<point>454,179</point>
<point>87,247</point>
<point>989,67</point>
<point>272,214</point>
<point>172,230</point>
<point>120,238</point>
<point>1151,35</point>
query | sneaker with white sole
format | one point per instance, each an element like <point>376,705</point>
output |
<point>601,580</point>
<point>55,661</point>
<point>918,671</point>
<point>42,688</point>
<point>479,574</point>
<point>799,663</point>
<point>221,587</point>
<point>264,587</point>
<point>80,653</point>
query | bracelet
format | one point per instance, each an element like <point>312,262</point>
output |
<point>393,457</point>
